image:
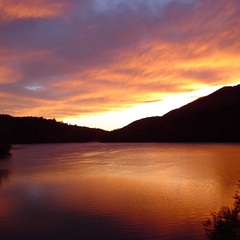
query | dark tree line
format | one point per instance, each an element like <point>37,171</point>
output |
<point>40,130</point>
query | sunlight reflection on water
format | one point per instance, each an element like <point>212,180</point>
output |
<point>115,191</point>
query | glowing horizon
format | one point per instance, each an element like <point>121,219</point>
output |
<point>118,119</point>
<point>105,63</point>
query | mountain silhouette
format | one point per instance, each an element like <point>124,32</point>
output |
<point>214,118</point>
<point>40,130</point>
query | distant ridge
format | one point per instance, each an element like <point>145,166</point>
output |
<point>40,130</point>
<point>214,118</point>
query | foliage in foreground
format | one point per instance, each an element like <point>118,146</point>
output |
<point>225,224</point>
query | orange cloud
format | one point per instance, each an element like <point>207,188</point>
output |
<point>15,9</point>
<point>7,74</point>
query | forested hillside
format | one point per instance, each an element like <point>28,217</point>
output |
<point>40,130</point>
<point>214,118</point>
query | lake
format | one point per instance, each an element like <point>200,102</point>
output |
<point>114,191</point>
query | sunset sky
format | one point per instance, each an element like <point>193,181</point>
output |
<point>106,63</point>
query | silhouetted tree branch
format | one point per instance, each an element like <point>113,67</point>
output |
<point>225,224</point>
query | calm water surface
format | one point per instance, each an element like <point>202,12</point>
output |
<point>114,191</point>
